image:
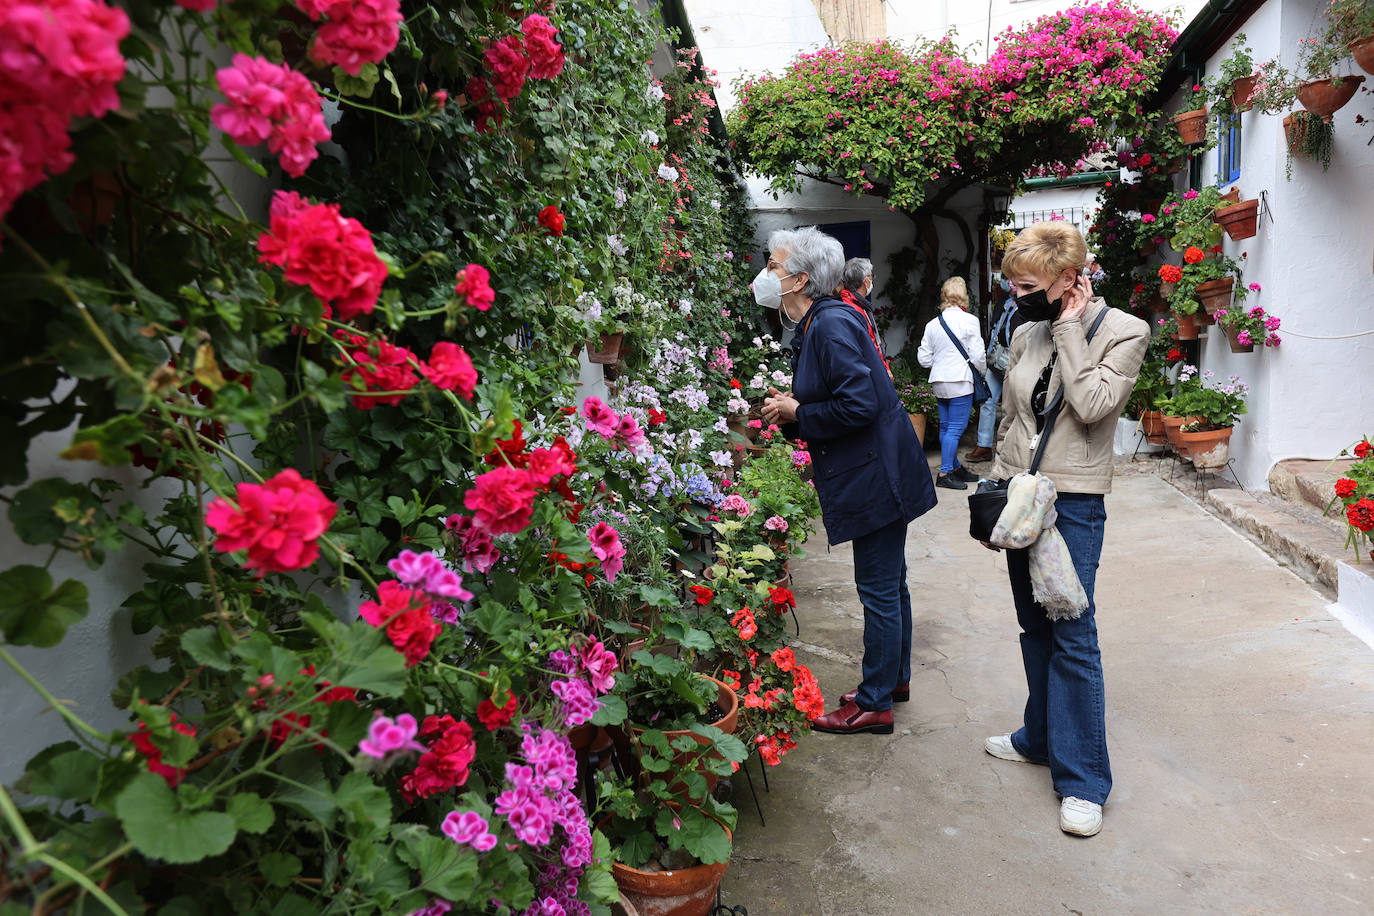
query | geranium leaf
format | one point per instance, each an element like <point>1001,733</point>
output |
<point>251,813</point>
<point>155,822</point>
<point>32,612</point>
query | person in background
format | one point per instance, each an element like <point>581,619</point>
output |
<point>1005,320</point>
<point>952,377</point>
<point>856,288</point>
<point>1093,271</point>
<point>870,472</point>
<point>1064,725</point>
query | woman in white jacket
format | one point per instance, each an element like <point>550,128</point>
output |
<point>951,376</point>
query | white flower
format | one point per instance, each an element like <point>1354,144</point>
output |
<point>715,204</point>
<point>695,438</point>
<point>667,172</point>
<point>620,198</point>
<point>758,341</point>
<point>684,306</point>
<point>722,426</point>
<point>617,244</point>
<point>655,93</point>
<point>649,137</point>
<point>758,382</point>
<point>774,345</point>
<point>780,377</point>
<point>737,404</point>
<point>721,459</point>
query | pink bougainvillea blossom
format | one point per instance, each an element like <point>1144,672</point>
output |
<point>355,32</point>
<point>502,500</point>
<point>317,246</point>
<point>450,369</point>
<point>386,735</point>
<point>278,522</point>
<point>272,103</point>
<point>59,60</point>
<point>474,285</point>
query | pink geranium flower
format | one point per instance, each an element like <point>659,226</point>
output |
<point>278,522</point>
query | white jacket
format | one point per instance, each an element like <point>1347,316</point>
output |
<point>939,354</point>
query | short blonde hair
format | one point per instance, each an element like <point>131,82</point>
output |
<point>954,292</point>
<point>1045,249</point>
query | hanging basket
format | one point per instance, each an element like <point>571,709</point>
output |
<point>1215,294</point>
<point>1324,98</point>
<point>607,350</point>
<point>1192,125</point>
<point>1240,220</point>
<point>1363,51</point>
<point>1187,326</point>
<point>1236,345</point>
<point>1240,92</point>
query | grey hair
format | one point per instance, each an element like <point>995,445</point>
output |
<point>856,270</point>
<point>812,252</point>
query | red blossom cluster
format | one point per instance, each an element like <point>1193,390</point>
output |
<point>493,716</point>
<point>273,103</point>
<point>142,740</point>
<point>355,32</point>
<point>511,60</point>
<point>552,220</point>
<point>278,522</point>
<point>1170,273</point>
<point>502,500</point>
<point>782,599</point>
<point>744,622</point>
<point>288,723</point>
<point>380,366</point>
<point>1360,514</point>
<point>474,285</point>
<point>59,60</point>
<point>450,369</point>
<point>805,696</point>
<point>1194,255</point>
<point>445,765</point>
<point>1346,487</point>
<point>406,615</point>
<point>702,593</point>
<point>316,246</point>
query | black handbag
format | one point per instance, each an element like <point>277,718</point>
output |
<point>981,391</point>
<point>986,503</point>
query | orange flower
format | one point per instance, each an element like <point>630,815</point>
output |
<point>1194,254</point>
<point>1170,273</point>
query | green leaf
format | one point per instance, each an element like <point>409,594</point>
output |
<point>207,647</point>
<point>33,513</point>
<point>308,791</point>
<point>697,639</point>
<point>363,802</point>
<point>383,671</point>
<point>597,879</point>
<point>155,822</point>
<point>449,870</point>
<point>242,157</point>
<point>71,775</point>
<point>278,868</point>
<point>251,813</point>
<point>108,442</point>
<point>32,613</point>
<point>361,85</point>
<point>612,712</point>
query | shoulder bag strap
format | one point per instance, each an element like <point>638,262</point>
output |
<point>958,346</point>
<point>1051,412</point>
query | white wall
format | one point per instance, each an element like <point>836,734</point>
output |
<point>1312,257</point>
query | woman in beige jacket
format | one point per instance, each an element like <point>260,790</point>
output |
<point>1065,719</point>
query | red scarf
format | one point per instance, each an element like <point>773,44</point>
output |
<point>848,297</point>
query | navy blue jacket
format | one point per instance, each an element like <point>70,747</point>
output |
<point>870,469</point>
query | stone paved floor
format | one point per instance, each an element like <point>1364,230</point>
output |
<point>1240,723</point>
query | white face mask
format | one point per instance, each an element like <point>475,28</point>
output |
<point>767,288</point>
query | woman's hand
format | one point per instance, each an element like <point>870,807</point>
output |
<point>779,408</point>
<point>1076,298</point>
<point>993,547</point>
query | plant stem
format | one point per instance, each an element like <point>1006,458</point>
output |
<point>72,718</point>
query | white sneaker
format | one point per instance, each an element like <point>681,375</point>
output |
<point>1001,746</point>
<point>1079,817</point>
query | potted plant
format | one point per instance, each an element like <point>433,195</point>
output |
<point>1212,411</point>
<point>1246,329</point>
<point>1308,137</point>
<point>1325,90</point>
<point>1240,219</point>
<point>918,398</point>
<point>1184,308</point>
<point>1351,22</point>
<point>1191,120</point>
<point>1275,88</point>
<point>1355,490</point>
<point>1236,78</point>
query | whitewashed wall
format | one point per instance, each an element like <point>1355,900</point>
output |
<point>1314,259</point>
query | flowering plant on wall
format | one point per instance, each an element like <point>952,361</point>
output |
<point>1250,327</point>
<point>1355,492</point>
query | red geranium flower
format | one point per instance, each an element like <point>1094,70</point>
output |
<point>1346,487</point>
<point>1194,254</point>
<point>552,220</point>
<point>1175,354</point>
<point>493,716</point>
<point>1170,273</point>
<point>1360,514</point>
<point>278,522</point>
<point>734,383</point>
<point>1362,449</point>
<point>704,594</point>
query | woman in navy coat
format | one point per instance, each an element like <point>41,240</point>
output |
<point>870,470</point>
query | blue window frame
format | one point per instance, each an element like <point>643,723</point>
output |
<point>1228,150</point>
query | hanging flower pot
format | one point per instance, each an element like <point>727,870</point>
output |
<point>1208,449</point>
<point>1363,50</point>
<point>1149,247</point>
<point>1232,338</point>
<point>1240,92</point>
<point>1192,125</point>
<point>1204,318</point>
<point>1215,294</point>
<point>607,351</point>
<point>1187,326</point>
<point>1325,97</point>
<point>1239,220</point>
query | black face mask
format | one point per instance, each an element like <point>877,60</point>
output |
<point>1037,306</point>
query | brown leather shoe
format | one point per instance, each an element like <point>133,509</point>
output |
<point>980,453</point>
<point>849,719</point>
<point>900,694</point>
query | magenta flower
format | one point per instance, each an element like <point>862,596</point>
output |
<point>385,735</point>
<point>1254,287</point>
<point>470,828</point>
<point>600,418</point>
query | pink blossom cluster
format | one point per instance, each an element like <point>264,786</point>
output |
<point>539,798</point>
<point>388,736</point>
<point>355,32</point>
<point>511,60</point>
<point>469,828</point>
<point>428,573</point>
<point>737,504</point>
<point>590,669</point>
<point>479,551</point>
<point>59,60</point>
<point>776,523</point>
<point>273,103</point>
<point>800,458</point>
<point>278,522</point>
<point>622,430</point>
<point>319,247</point>
<point>474,285</point>
<point>608,549</point>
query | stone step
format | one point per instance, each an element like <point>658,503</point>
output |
<point>1307,544</point>
<point>1303,480</point>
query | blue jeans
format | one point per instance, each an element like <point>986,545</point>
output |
<point>880,576</point>
<point>1065,720</point>
<point>953,421</point>
<point>987,411</point>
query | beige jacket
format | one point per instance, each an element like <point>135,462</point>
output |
<point>1097,379</point>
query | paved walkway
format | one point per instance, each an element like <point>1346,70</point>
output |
<point>1240,721</point>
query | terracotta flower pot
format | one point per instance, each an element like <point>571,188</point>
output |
<point>1152,426</point>
<point>1324,98</point>
<point>1204,319</point>
<point>680,892</point>
<point>1239,220</point>
<point>918,423</point>
<point>1240,92</point>
<point>607,350</point>
<point>1187,326</point>
<point>1167,289</point>
<point>1363,50</point>
<point>1232,196</point>
<point>1208,449</point>
<point>1172,429</point>
<point>1192,125</point>
<point>1215,294</point>
<point>1236,345</point>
